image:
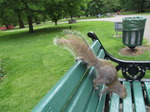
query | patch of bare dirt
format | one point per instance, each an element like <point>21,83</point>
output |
<point>137,51</point>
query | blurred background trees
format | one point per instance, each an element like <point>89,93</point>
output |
<point>27,12</point>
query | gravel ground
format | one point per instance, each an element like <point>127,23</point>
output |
<point>118,18</point>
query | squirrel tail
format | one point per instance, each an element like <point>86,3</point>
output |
<point>79,47</point>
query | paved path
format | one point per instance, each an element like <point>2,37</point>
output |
<point>118,18</point>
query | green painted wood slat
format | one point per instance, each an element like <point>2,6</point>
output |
<point>147,87</point>
<point>95,47</point>
<point>62,90</point>
<point>101,102</point>
<point>138,97</point>
<point>114,103</point>
<point>81,96</point>
<point>127,102</point>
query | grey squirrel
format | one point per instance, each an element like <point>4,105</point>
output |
<point>106,72</point>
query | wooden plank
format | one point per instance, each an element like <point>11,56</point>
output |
<point>114,103</point>
<point>95,46</point>
<point>127,102</point>
<point>138,97</point>
<point>101,103</point>
<point>92,103</point>
<point>147,88</point>
<point>62,90</point>
<point>101,54</point>
<point>81,96</point>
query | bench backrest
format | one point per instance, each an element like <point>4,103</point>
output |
<point>74,90</point>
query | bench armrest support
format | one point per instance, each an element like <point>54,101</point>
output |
<point>131,70</point>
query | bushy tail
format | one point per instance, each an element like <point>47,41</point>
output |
<point>79,47</point>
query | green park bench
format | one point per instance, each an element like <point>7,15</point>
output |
<point>75,92</point>
<point>118,27</point>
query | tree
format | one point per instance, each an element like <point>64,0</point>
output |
<point>147,4</point>
<point>29,7</point>
<point>7,15</point>
<point>20,17</point>
<point>57,9</point>
<point>72,7</point>
<point>135,5</point>
<point>54,10</point>
<point>94,7</point>
<point>111,6</point>
<point>20,9</point>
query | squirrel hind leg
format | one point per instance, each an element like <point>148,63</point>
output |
<point>99,81</point>
<point>119,89</point>
<point>103,91</point>
<point>123,92</point>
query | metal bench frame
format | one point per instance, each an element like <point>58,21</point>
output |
<point>131,70</point>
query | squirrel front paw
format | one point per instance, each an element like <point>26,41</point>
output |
<point>79,58</point>
<point>95,85</point>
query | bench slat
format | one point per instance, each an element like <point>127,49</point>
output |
<point>101,54</point>
<point>62,90</point>
<point>114,103</point>
<point>101,103</point>
<point>92,103</point>
<point>95,101</point>
<point>138,97</point>
<point>127,102</point>
<point>81,95</point>
<point>95,46</point>
<point>147,87</point>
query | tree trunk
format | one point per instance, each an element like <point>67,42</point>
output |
<point>21,25</point>
<point>37,21</point>
<point>30,24</point>
<point>7,27</point>
<point>55,22</point>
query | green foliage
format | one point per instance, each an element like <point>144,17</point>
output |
<point>72,7</point>
<point>95,7</point>
<point>20,12</point>
<point>135,5</point>
<point>13,11</point>
<point>37,11</point>
<point>7,15</point>
<point>111,6</point>
<point>54,10</point>
<point>147,4</point>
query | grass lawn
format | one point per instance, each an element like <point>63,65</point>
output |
<point>33,64</point>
